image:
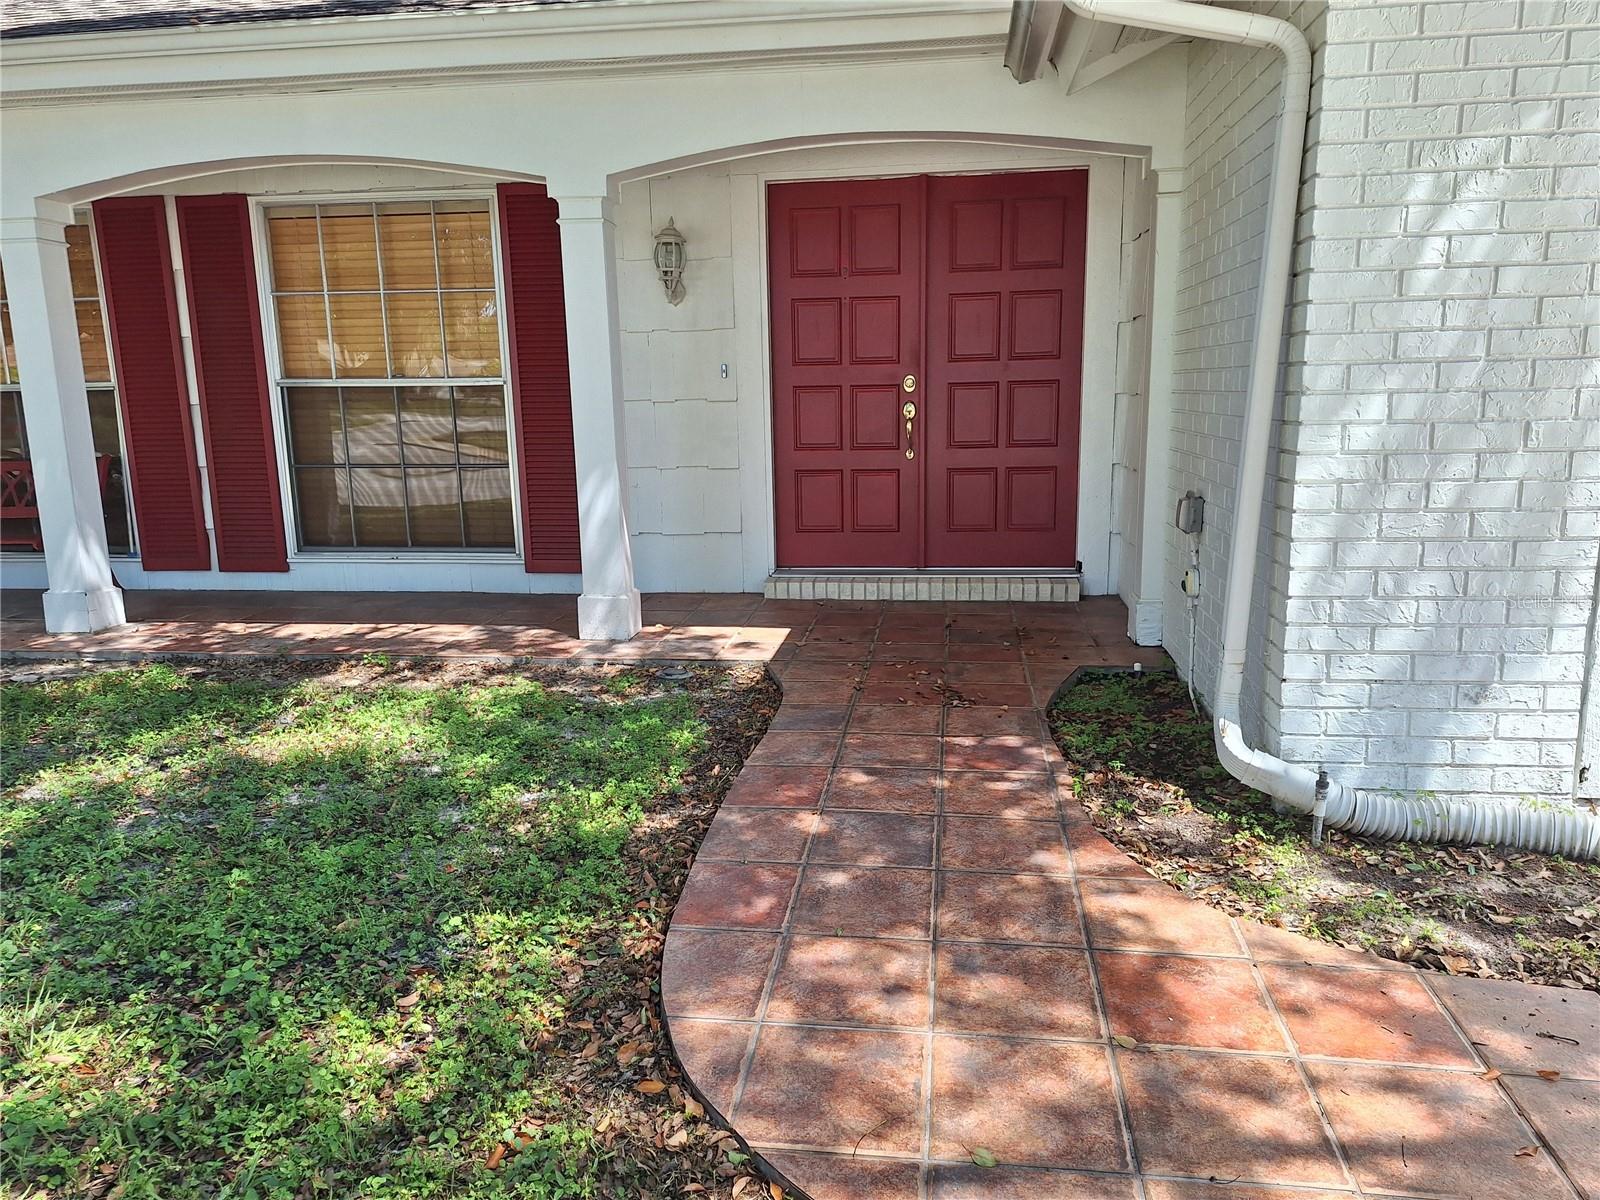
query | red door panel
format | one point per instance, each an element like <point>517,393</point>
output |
<point>846,267</point>
<point>1005,351</point>
<point>972,284</point>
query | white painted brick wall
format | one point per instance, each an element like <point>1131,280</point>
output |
<point>1233,103</point>
<point>1434,550</point>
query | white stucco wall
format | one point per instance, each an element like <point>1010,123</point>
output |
<point>699,444</point>
<point>922,92</point>
<point>1136,280</point>
<point>681,386</point>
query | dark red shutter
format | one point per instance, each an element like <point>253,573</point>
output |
<point>142,312</point>
<point>219,273</point>
<point>536,317</point>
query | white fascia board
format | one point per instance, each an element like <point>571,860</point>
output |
<point>648,35</point>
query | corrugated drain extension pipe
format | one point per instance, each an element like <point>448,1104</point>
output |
<point>1529,824</point>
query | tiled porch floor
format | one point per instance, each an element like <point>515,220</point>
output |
<point>902,941</point>
<point>451,624</point>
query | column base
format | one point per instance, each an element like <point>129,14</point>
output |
<point>83,612</point>
<point>609,618</point>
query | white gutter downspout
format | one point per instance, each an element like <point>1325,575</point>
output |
<point>1571,831</point>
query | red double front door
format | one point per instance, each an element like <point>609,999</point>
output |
<point>927,342</point>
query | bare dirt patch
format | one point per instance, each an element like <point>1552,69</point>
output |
<point>1144,768</point>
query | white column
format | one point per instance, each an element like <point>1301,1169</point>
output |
<point>609,606</point>
<point>1145,615</point>
<point>83,596</point>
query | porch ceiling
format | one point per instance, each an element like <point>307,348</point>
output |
<point>1046,33</point>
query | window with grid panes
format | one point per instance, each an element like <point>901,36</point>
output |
<point>105,416</point>
<point>390,374</point>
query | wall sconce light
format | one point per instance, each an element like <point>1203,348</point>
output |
<point>670,257</point>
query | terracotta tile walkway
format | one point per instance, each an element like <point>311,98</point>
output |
<point>902,941</point>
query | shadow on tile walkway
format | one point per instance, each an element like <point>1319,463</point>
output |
<point>903,942</point>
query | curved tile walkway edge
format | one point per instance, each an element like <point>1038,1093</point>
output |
<point>902,945</point>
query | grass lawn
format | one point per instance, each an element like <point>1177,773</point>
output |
<point>1143,765</point>
<point>365,930</point>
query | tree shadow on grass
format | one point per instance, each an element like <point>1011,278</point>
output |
<point>307,936</point>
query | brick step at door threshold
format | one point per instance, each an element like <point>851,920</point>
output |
<point>1064,587</point>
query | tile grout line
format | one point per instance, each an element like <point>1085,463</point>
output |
<point>1538,1136</point>
<point>1304,1075</point>
<point>1048,1039</point>
<point>925,1173</point>
<point>1055,773</point>
<point>1450,1019</point>
<point>1500,1087</point>
<point>747,1063</point>
<point>1202,956</point>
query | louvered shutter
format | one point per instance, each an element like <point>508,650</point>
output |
<point>219,274</point>
<point>536,318</point>
<point>142,311</point>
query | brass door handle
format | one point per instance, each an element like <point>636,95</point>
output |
<point>909,412</point>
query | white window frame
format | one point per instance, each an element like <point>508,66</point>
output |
<point>85,217</point>
<point>277,381</point>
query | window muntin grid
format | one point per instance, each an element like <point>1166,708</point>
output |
<point>397,467</point>
<point>396,290</point>
<point>395,305</point>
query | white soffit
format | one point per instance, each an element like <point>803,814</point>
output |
<point>1046,33</point>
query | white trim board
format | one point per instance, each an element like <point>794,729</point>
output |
<point>332,574</point>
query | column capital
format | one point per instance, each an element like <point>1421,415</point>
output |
<point>576,208</point>
<point>48,224</point>
<point>1169,180</point>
